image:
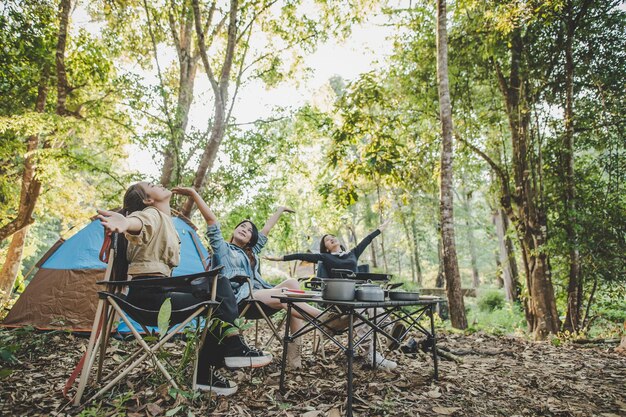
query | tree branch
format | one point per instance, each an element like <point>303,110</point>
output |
<point>202,47</point>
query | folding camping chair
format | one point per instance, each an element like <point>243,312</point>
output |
<point>113,303</point>
<point>251,302</point>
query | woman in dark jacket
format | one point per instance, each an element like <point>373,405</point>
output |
<point>333,254</point>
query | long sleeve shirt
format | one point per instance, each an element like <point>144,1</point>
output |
<point>236,261</point>
<point>346,260</point>
<point>156,248</point>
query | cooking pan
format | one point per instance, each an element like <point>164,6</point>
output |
<point>369,276</point>
<point>404,296</point>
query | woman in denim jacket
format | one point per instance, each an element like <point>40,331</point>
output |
<point>240,256</point>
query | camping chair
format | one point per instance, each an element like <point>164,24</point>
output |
<point>113,303</point>
<point>251,302</point>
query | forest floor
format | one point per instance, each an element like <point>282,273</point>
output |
<point>498,376</point>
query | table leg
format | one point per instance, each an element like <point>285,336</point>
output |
<point>434,341</point>
<point>350,354</point>
<point>374,341</point>
<point>285,345</point>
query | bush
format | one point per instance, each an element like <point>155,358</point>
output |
<point>491,301</point>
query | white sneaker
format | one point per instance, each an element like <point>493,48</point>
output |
<point>386,364</point>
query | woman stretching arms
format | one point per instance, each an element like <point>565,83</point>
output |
<point>153,251</point>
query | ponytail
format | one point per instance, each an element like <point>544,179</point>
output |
<point>133,201</point>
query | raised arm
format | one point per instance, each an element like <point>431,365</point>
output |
<point>117,223</point>
<point>274,219</point>
<point>209,217</point>
<point>358,250</point>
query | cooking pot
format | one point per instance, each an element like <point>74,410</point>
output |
<point>369,292</point>
<point>338,289</point>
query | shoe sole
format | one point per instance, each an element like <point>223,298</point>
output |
<point>247,362</point>
<point>396,333</point>
<point>217,390</point>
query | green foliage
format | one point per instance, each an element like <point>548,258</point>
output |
<point>163,319</point>
<point>506,320</point>
<point>491,300</point>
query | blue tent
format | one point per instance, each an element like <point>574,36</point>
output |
<point>62,294</point>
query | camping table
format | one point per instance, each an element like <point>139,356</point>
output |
<point>358,310</point>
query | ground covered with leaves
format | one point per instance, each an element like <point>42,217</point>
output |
<point>491,376</point>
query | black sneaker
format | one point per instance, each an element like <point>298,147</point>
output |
<point>239,355</point>
<point>218,384</point>
<point>398,331</point>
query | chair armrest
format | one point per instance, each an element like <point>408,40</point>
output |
<point>239,279</point>
<point>242,279</point>
<point>178,281</point>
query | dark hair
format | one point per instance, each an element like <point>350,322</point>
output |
<point>254,238</point>
<point>323,248</point>
<point>133,201</point>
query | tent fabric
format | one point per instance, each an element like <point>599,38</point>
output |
<point>81,250</point>
<point>63,293</point>
<point>58,299</point>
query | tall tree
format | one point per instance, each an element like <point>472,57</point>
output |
<point>574,287</point>
<point>451,265</point>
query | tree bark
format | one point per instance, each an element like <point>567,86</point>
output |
<point>574,287</point>
<point>11,266</point>
<point>528,216</point>
<point>506,258</point>
<point>411,241</point>
<point>440,281</point>
<point>62,84</point>
<point>220,91</point>
<point>188,64</point>
<point>451,266</point>
<point>29,193</point>
<point>416,252</point>
<point>470,240</point>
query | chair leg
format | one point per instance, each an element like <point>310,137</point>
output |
<point>109,317</point>
<point>149,351</point>
<point>90,348</point>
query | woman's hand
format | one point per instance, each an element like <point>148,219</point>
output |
<point>113,221</point>
<point>285,209</point>
<point>188,191</point>
<point>384,225</point>
<point>273,258</point>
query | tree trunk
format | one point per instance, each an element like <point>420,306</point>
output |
<point>29,193</point>
<point>220,91</point>
<point>451,266</point>
<point>528,216</point>
<point>409,239</point>
<point>418,266</point>
<point>574,287</point>
<point>506,258</point>
<point>374,257</point>
<point>382,235</point>
<point>188,64</point>
<point>441,278</point>
<point>11,266</point>
<point>470,240</point>
<point>62,84</point>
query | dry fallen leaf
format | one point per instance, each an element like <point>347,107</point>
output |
<point>446,411</point>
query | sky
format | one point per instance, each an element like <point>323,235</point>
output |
<point>360,52</point>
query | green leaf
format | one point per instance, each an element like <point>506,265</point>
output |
<point>173,411</point>
<point>165,312</point>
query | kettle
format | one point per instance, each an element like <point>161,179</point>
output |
<point>370,292</point>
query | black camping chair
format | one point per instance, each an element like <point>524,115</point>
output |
<point>251,302</point>
<point>113,303</point>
